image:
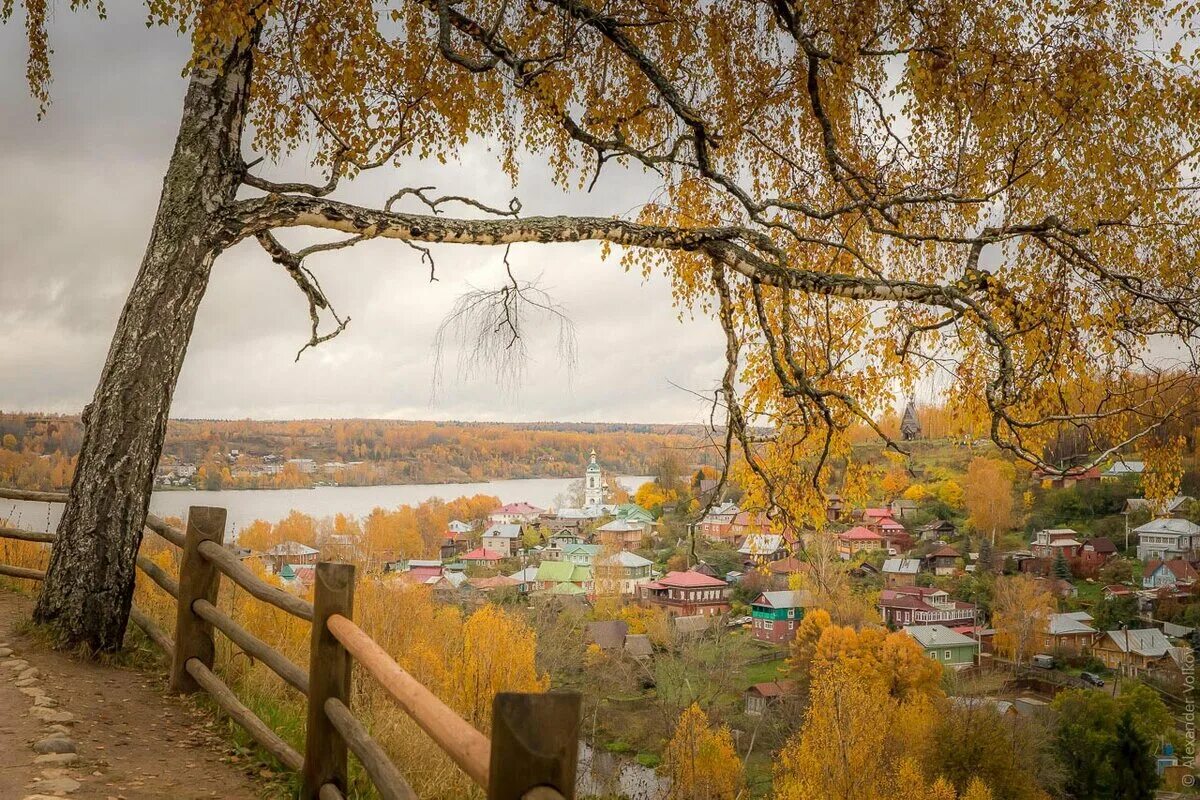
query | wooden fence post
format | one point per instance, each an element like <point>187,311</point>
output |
<point>535,744</point>
<point>198,579</point>
<point>328,676</point>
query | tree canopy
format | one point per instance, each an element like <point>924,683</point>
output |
<point>861,193</point>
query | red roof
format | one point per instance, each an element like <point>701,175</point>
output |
<point>785,566</point>
<point>877,513</point>
<point>860,534</point>
<point>688,580</point>
<point>422,573</point>
<point>1182,570</point>
<point>888,522</point>
<point>945,551</point>
<point>482,554</point>
<point>773,688</point>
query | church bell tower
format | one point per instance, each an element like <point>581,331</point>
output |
<point>593,483</point>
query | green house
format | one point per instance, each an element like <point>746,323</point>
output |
<point>553,574</point>
<point>951,648</point>
<point>776,615</point>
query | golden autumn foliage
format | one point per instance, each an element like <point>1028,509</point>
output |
<point>651,495</point>
<point>893,660</point>
<point>989,496</point>
<point>861,742</point>
<point>700,762</point>
<point>1021,610</point>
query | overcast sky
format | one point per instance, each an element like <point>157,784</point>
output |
<point>78,196</point>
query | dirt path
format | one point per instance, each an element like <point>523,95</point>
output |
<point>104,733</point>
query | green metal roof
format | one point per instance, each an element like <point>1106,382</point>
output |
<point>632,511</point>
<point>563,572</point>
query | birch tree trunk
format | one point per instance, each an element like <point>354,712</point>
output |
<point>89,585</point>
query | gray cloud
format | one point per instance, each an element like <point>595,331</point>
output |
<point>80,188</point>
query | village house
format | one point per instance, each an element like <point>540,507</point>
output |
<point>483,557</point>
<point>526,580</point>
<point>494,583</point>
<point>715,524</point>
<point>869,517</point>
<point>938,530</point>
<point>901,571</point>
<point>1048,543</point>
<point>776,615</point>
<point>761,548</point>
<point>895,538</point>
<point>453,544</point>
<point>623,571</point>
<point>923,605</point>
<point>504,538</point>
<point>1116,591</point>
<point>458,526</point>
<point>551,574</point>
<point>1069,634</point>
<point>1123,469</point>
<point>857,540</point>
<point>516,514</point>
<point>687,594</point>
<point>290,552</point>
<point>1176,572</point>
<point>780,572</point>
<point>560,539</point>
<point>1177,506</point>
<point>951,649</point>
<point>835,506</point>
<point>307,466</point>
<point>1093,555</point>
<point>582,554</point>
<point>903,508</point>
<point>422,570</point>
<point>762,696</point>
<point>1166,538</point>
<point>747,523</point>
<point>623,534</point>
<point>943,560</point>
<point>1133,651</point>
<point>608,635</point>
<point>632,512</point>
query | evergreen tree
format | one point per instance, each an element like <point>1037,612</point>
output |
<point>1134,776</point>
<point>985,555</point>
<point>1061,569</point>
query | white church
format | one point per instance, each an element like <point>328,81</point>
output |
<point>594,486</point>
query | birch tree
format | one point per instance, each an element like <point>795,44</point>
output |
<point>859,193</point>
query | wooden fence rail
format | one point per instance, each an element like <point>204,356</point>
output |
<point>534,749</point>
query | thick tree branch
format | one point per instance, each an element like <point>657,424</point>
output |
<point>731,246</point>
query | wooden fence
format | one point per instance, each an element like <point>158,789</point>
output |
<point>534,746</point>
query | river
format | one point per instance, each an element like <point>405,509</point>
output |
<point>246,505</point>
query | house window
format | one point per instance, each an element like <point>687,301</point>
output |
<point>947,655</point>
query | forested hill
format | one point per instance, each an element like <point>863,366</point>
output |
<point>38,450</point>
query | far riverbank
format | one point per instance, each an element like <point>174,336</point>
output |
<point>246,505</point>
